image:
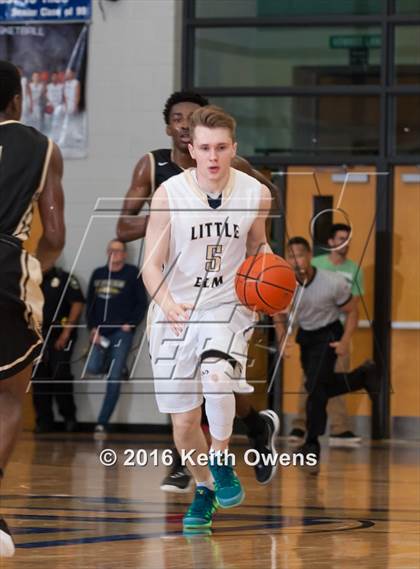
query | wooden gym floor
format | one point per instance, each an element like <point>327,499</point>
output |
<point>66,510</point>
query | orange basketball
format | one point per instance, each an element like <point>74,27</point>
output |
<point>265,282</point>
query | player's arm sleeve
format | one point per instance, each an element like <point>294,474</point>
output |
<point>343,293</point>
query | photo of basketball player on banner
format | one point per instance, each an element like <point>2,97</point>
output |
<point>52,64</point>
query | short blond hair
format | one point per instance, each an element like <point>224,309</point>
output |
<point>211,116</point>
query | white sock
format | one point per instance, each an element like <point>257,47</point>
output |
<point>207,484</point>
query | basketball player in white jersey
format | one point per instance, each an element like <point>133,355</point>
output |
<point>55,106</point>
<point>71,92</point>
<point>70,132</point>
<point>31,171</point>
<point>203,223</point>
<point>152,170</point>
<point>37,89</point>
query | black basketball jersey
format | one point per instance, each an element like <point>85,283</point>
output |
<point>162,167</point>
<point>24,158</point>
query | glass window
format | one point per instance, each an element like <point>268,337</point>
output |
<point>407,115</point>
<point>255,8</point>
<point>407,54</point>
<point>408,6</point>
<point>282,125</point>
<point>247,57</point>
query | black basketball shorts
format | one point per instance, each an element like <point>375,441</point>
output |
<point>21,302</point>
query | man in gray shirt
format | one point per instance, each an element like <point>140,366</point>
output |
<point>321,298</point>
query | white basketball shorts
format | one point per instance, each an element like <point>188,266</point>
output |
<point>176,359</point>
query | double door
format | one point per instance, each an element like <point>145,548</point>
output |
<point>350,197</point>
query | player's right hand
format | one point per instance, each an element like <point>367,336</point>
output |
<point>177,315</point>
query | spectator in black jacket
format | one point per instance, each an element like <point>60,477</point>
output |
<point>53,378</point>
<point>116,304</point>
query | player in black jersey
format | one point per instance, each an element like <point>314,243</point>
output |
<point>149,173</point>
<point>31,169</point>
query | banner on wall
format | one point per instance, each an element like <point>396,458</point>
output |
<point>45,10</point>
<point>52,59</point>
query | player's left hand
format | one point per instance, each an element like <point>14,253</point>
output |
<point>341,348</point>
<point>126,328</point>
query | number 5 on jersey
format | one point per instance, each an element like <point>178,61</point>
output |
<point>214,258</point>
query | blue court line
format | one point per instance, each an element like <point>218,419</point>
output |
<point>226,517</point>
<point>172,518</point>
<point>152,514</point>
<point>33,529</point>
<point>305,520</point>
<point>115,500</point>
<point>85,540</point>
<point>363,524</point>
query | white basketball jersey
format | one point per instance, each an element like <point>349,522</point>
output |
<point>208,245</point>
<point>36,92</point>
<point>55,92</point>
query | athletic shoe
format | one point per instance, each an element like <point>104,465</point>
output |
<point>7,547</point>
<point>345,439</point>
<point>200,513</point>
<point>265,446</point>
<point>99,432</point>
<point>296,435</point>
<point>307,448</point>
<point>178,480</point>
<point>228,489</point>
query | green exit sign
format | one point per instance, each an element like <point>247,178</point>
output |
<point>348,42</point>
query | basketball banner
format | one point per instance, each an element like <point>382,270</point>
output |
<point>52,60</point>
<point>45,10</point>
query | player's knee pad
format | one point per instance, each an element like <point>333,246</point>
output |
<point>220,374</point>
<point>216,377</point>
